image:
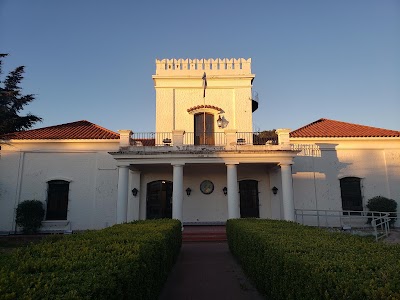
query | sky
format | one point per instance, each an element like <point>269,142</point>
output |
<point>93,60</point>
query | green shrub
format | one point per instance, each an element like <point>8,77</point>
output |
<point>383,204</point>
<point>286,260</point>
<point>127,261</point>
<point>29,215</point>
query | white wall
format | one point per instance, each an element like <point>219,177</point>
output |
<point>25,171</point>
<point>179,90</point>
<point>9,189</point>
<point>316,176</point>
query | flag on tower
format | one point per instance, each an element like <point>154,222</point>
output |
<point>204,84</point>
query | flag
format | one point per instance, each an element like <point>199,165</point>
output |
<point>204,84</point>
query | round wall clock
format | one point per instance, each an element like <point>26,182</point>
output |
<point>206,187</point>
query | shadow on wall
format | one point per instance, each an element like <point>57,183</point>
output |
<point>316,177</point>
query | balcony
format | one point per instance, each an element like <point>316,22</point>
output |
<point>179,140</point>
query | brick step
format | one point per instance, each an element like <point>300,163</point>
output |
<point>204,239</point>
<point>203,236</point>
<point>204,233</point>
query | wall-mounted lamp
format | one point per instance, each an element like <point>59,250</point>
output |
<point>219,122</point>
<point>274,190</point>
<point>225,190</point>
<point>188,191</point>
<point>134,192</point>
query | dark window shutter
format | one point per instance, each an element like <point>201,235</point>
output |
<point>350,188</point>
<point>57,200</point>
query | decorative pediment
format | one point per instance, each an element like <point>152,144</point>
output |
<point>202,108</point>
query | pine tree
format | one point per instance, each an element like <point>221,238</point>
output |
<point>12,102</point>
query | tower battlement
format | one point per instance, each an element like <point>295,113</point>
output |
<point>218,66</point>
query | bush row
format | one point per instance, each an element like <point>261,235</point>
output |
<point>286,260</point>
<point>127,261</point>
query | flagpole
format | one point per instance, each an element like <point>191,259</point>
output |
<point>204,103</point>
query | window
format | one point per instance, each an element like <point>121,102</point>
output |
<point>57,200</point>
<point>204,129</point>
<point>350,188</point>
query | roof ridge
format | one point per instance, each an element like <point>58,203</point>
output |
<point>81,129</point>
<point>333,128</point>
<point>103,128</point>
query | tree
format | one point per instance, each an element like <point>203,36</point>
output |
<point>12,102</point>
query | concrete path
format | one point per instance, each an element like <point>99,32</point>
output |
<point>207,270</point>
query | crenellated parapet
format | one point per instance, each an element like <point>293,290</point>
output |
<point>218,66</point>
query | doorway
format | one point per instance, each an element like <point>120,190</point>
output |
<point>204,129</point>
<point>249,201</point>
<point>159,200</point>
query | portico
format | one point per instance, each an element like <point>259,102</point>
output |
<point>188,170</point>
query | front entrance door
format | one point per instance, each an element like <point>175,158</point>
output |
<point>159,200</point>
<point>204,129</point>
<point>249,202</point>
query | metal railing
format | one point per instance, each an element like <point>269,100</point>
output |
<point>254,138</point>
<point>201,138</point>
<point>204,138</point>
<point>347,219</point>
<point>381,226</point>
<point>152,138</point>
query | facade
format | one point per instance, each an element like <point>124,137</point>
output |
<point>342,165</point>
<point>203,165</point>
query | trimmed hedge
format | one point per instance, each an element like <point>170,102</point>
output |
<point>29,215</point>
<point>127,261</point>
<point>286,260</point>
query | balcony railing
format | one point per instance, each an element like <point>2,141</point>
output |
<point>202,139</point>
<point>152,138</point>
<point>205,138</point>
<point>255,138</point>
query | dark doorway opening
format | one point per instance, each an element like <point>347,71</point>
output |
<point>249,201</point>
<point>159,200</point>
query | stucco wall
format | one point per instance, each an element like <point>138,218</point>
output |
<point>9,174</point>
<point>178,90</point>
<point>316,175</point>
<point>25,171</point>
<point>172,106</point>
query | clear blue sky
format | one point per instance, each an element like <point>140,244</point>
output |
<point>94,59</point>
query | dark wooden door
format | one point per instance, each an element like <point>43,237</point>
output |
<point>159,200</point>
<point>249,201</point>
<point>204,129</point>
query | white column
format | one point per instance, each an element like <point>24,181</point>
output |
<point>177,192</point>
<point>133,202</point>
<point>287,192</point>
<point>233,192</point>
<point>122,201</point>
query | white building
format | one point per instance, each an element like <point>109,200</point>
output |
<point>203,164</point>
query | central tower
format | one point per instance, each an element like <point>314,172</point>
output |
<point>204,96</point>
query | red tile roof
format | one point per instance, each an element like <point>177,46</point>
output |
<point>325,128</point>
<point>79,130</point>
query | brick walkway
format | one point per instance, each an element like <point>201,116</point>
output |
<point>207,270</point>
